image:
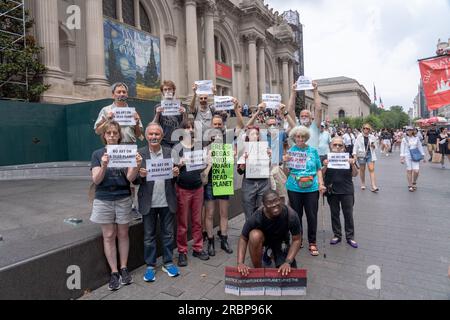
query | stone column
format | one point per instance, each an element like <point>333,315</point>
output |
<point>137,15</point>
<point>209,42</point>
<point>47,32</point>
<point>285,62</point>
<point>253,76</point>
<point>262,67</point>
<point>119,10</point>
<point>291,73</point>
<point>191,41</point>
<point>95,45</point>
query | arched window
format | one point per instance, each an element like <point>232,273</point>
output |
<point>145,21</point>
<point>219,50</point>
<point>109,8</point>
<point>128,12</point>
<point>341,114</point>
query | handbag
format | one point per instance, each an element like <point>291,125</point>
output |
<point>416,155</point>
<point>437,157</point>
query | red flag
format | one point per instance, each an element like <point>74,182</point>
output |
<point>381,104</point>
<point>436,81</point>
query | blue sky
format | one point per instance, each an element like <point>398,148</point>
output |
<point>372,41</point>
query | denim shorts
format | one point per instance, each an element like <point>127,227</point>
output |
<point>367,159</point>
<point>208,194</point>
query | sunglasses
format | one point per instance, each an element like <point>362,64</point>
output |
<point>366,128</point>
<point>338,145</point>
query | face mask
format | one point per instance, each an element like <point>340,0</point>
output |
<point>168,95</point>
<point>304,122</point>
<point>122,98</point>
<point>154,141</point>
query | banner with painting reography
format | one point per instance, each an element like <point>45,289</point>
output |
<point>133,57</point>
<point>222,169</point>
<point>121,156</point>
<point>436,81</point>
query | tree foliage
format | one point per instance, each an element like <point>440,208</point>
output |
<point>17,60</point>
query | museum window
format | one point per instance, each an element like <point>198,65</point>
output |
<point>128,12</point>
<point>145,21</point>
<point>109,8</point>
<point>341,114</point>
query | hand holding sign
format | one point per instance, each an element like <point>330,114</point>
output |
<point>125,116</point>
<point>171,107</point>
<point>224,103</point>
<point>160,169</point>
<point>272,101</point>
<point>204,87</point>
<point>304,83</point>
<point>339,161</point>
<point>122,156</point>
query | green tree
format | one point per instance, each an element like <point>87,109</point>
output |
<point>19,57</point>
<point>151,74</point>
<point>374,121</point>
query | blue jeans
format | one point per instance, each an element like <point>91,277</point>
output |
<point>167,235</point>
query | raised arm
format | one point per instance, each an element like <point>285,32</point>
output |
<point>238,111</point>
<point>317,105</point>
<point>292,98</point>
<point>260,109</point>
<point>192,108</point>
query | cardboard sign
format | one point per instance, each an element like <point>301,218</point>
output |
<point>124,116</point>
<point>304,83</point>
<point>195,160</point>
<point>171,107</point>
<point>265,282</point>
<point>159,169</point>
<point>222,169</point>
<point>272,101</point>
<point>338,161</point>
<point>122,156</point>
<point>204,87</point>
<point>224,103</point>
<point>298,160</point>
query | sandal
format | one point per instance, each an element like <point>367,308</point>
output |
<point>414,186</point>
<point>313,250</point>
<point>363,187</point>
<point>375,190</point>
<point>411,189</point>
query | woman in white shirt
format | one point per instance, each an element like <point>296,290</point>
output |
<point>364,150</point>
<point>411,142</point>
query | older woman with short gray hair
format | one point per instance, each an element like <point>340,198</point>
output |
<point>305,181</point>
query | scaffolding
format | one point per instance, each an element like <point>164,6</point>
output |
<point>13,35</point>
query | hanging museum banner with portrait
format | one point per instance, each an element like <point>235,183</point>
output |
<point>134,57</point>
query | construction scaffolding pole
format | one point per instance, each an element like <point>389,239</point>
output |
<point>13,11</point>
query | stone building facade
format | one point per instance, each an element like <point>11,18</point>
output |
<point>345,97</point>
<point>246,37</point>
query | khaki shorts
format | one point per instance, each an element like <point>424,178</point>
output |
<point>431,147</point>
<point>110,212</point>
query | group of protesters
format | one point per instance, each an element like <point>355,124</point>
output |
<point>299,156</point>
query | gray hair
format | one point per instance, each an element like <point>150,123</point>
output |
<point>300,130</point>
<point>154,124</point>
<point>118,84</point>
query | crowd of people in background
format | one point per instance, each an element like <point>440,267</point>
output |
<point>273,205</point>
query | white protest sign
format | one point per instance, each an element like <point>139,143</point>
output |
<point>159,169</point>
<point>298,160</point>
<point>304,83</point>
<point>124,116</point>
<point>272,101</point>
<point>122,156</point>
<point>257,169</point>
<point>258,162</point>
<point>204,87</point>
<point>338,161</point>
<point>195,160</point>
<point>171,107</point>
<point>223,103</point>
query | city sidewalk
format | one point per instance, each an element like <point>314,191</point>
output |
<point>405,234</point>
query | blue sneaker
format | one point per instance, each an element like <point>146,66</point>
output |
<point>171,270</point>
<point>149,275</point>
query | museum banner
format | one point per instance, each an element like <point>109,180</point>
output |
<point>436,81</point>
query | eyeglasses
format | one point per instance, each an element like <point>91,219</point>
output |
<point>338,145</point>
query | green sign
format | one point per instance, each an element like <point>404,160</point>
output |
<point>222,169</point>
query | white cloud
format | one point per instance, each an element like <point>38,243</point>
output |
<point>372,41</point>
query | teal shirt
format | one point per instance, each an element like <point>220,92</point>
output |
<point>312,165</point>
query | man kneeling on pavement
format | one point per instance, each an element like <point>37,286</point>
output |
<point>271,226</point>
